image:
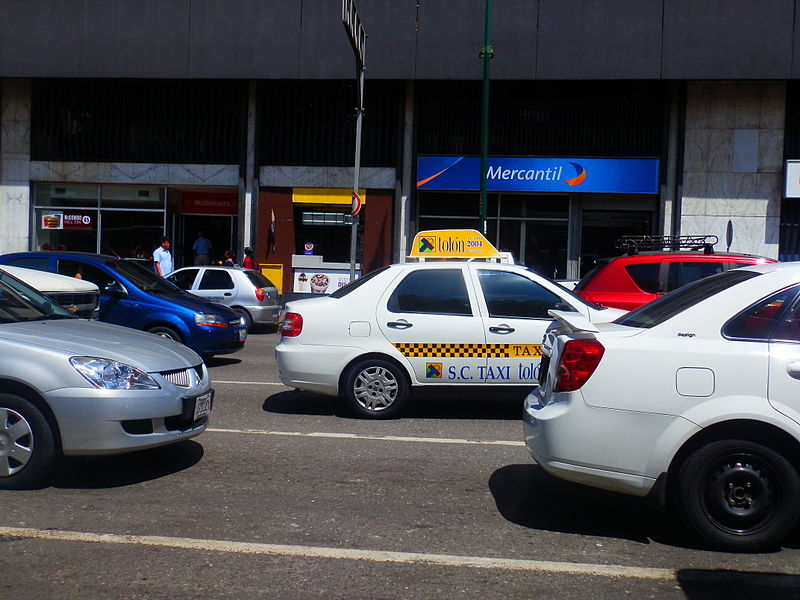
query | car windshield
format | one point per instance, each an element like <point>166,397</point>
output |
<point>666,307</point>
<point>143,278</point>
<point>20,302</point>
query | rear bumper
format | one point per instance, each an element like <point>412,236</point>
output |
<point>265,315</point>
<point>313,368</point>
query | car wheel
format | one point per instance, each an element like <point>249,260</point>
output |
<point>166,332</point>
<point>248,320</point>
<point>375,389</point>
<point>27,444</point>
<point>738,495</point>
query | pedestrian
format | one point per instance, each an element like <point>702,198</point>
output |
<point>228,259</point>
<point>249,262</point>
<point>162,259</point>
<point>202,249</point>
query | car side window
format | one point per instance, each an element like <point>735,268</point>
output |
<point>184,279</point>
<point>645,276</point>
<point>513,295</point>
<point>216,279</point>
<point>759,321</point>
<point>40,263</point>
<point>681,273</point>
<point>79,270</point>
<point>433,291</point>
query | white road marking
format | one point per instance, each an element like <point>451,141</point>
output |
<point>213,381</point>
<point>378,556</point>
<point>383,438</point>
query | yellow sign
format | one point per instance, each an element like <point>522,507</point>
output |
<point>452,243</point>
<point>326,196</point>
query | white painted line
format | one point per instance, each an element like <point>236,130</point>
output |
<point>214,381</point>
<point>378,556</point>
<point>382,438</point>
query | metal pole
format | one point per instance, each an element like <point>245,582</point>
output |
<point>356,172</point>
<point>486,54</point>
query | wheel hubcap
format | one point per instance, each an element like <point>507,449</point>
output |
<point>740,495</point>
<point>375,388</point>
<point>16,442</point>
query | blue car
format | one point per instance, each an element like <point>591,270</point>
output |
<point>134,296</point>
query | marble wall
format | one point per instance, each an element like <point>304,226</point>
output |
<point>15,136</point>
<point>733,163</point>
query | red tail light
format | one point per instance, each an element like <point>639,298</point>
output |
<point>260,294</point>
<point>578,361</point>
<point>292,325</point>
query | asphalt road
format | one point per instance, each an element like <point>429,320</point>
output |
<point>288,497</point>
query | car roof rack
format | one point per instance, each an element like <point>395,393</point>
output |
<point>632,244</point>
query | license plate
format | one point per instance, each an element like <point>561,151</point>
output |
<point>242,335</point>
<point>202,406</point>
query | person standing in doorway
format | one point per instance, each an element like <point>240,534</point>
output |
<point>249,261</point>
<point>162,259</point>
<point>202,249</point>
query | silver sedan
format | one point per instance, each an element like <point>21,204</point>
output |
<point>74,387</point>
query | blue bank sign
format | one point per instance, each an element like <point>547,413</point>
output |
<point>584,175</point>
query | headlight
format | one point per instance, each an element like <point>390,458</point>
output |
<point>112,375</point>
<point>209,320</point>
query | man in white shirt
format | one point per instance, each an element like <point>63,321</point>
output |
<point>162,258</point>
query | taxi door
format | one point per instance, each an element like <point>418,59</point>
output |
<point>514,311</point>
<point>431,317</point>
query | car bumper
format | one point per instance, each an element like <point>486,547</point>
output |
<point>264,315</point>
<point>313,368</point>
<point>576,442</point>
<point>218,341</point>
<point>96,422</point>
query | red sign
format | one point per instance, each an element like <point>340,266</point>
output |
<point>210,203</point>
<point>357,204</point>
<point>78,221</point>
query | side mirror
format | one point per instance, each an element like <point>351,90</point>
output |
<point>114,289</point>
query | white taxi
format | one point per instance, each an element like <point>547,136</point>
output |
<point>460,319</point>
<point>693,399</point>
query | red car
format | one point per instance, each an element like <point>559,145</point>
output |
<point>636,278</point>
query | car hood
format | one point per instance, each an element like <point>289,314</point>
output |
<point>78,337</point>
<point>197,303</point>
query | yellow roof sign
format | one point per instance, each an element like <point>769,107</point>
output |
<point>452,243</point>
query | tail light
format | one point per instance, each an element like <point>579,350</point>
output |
<point>292,325</point>
<point>578,361</point>
<point>260,294</point>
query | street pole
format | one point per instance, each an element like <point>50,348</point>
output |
<point>487,53</point>
<point>358,39</point>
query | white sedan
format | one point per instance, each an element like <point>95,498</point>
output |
<point>422,324</point>
<point>693,399</point>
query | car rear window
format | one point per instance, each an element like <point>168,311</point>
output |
<point>681,273</point>
<point>666,307</point>
<point>354,285</point>
<point>258,280</point>
<point>432,291</point>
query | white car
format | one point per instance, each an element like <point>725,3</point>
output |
<point>78,296</point>
<point>433,323</point>
<point>693,399</point>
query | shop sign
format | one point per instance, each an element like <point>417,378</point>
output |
<point>209,203</point>
<point>510,174</point>
<point>452,243</point>
<point>66,220</point>
<point>793,179</point>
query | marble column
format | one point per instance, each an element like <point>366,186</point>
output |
<point>15,163</point>
<point>733,165</point>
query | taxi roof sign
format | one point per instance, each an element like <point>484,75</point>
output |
<point>452,243</point>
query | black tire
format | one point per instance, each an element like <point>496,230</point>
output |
<point>27,444</point>
<point>248,320</point>
<point>739,496</point>
<point>375,389</point>
<point>166,332</point>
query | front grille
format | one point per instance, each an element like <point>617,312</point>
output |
<point>183,377</point>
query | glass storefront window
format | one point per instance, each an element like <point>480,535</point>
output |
<point>325,230</point>
<point>129,223</point>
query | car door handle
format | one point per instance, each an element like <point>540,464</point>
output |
<point>502,329</point>
<point>227,294</point>
<point>401,324</point>
<point>793,369</point>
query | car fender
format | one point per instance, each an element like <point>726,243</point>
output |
<point>170,319</point>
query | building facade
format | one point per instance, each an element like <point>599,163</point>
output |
<point>124,121</point>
